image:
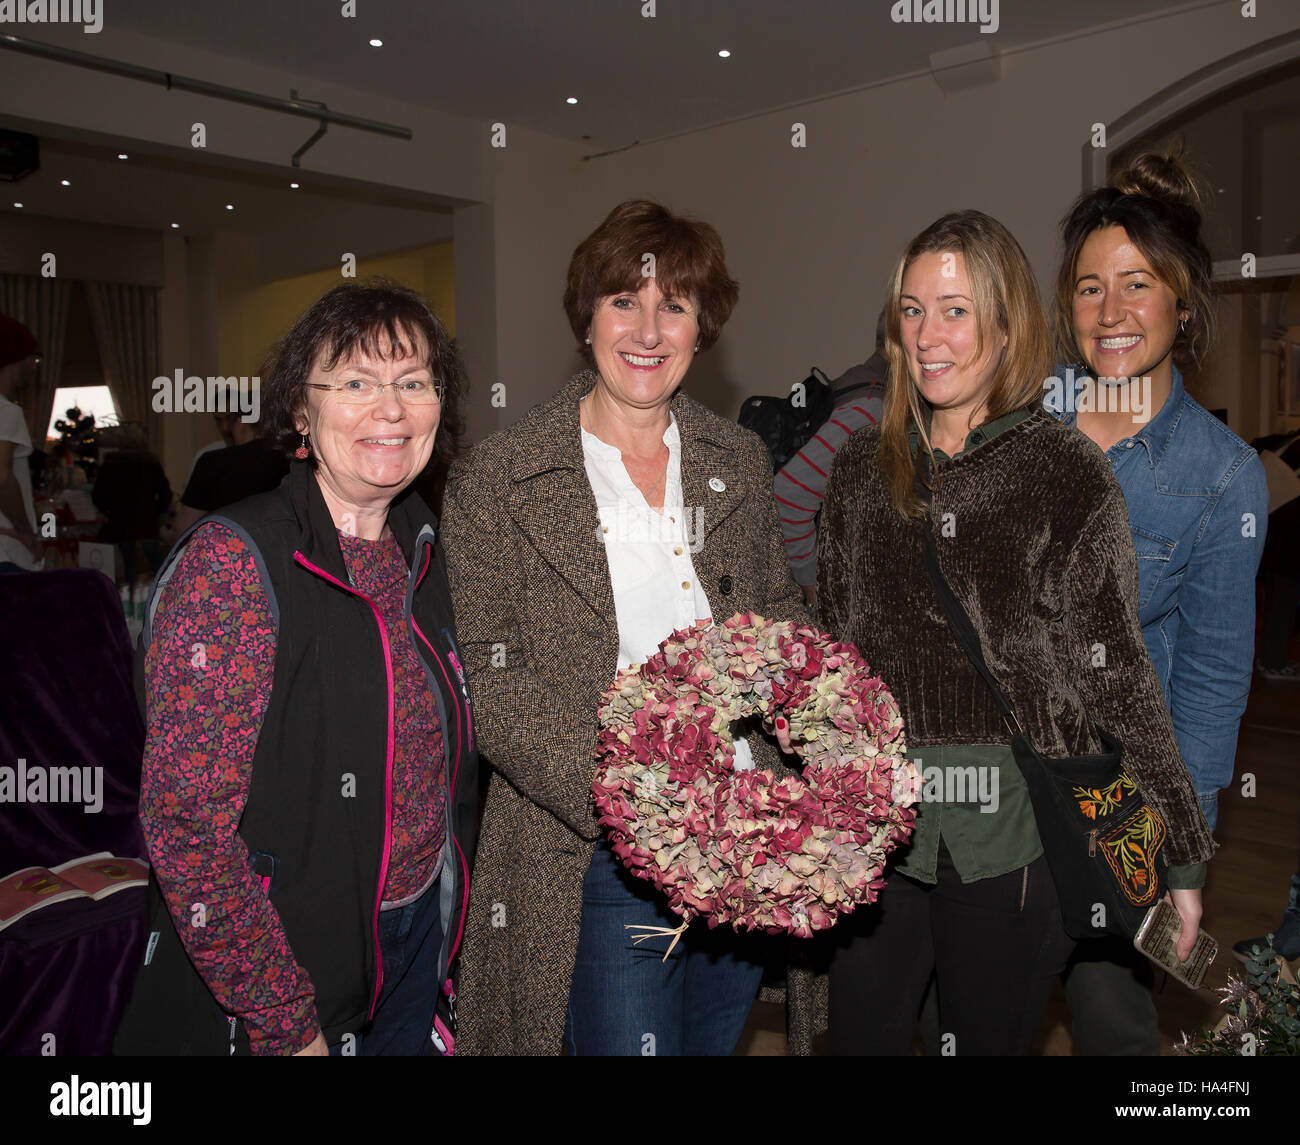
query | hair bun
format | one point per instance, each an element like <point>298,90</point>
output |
<point>1159,176</point>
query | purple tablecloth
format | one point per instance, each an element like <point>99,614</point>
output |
<point>68,701</point>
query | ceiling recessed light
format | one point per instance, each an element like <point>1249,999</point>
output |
<point>19,206</point>
<point>572,99</point>
<point>230,206</point>
<point>1259,218</point>
<point>724,53</point>
<point>1221,190</point>
<point>176,226</point>
<point>121,155</point>
<point>293,186</point>
<point>376,43</point>
<point>64,183</point>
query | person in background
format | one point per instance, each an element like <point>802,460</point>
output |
<point>20,546</point>
<point>1279,569</point>
<point>1032,534</point>
<point>1134,300</point>
<point>1286,937</point>
<point>132,491</point>
<point>223,423</point>
<point>800,485</point>
<point>223,476</point>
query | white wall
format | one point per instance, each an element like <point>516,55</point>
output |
<point>813,234</point>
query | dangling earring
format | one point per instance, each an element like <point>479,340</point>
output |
<point>1182,325</point>
<point>589,340</point>
<point>302,452</point>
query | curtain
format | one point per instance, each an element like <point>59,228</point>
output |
<point>125,320</point>
<point>40,304</point>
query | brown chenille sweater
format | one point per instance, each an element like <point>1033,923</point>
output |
<point>1033,535</point>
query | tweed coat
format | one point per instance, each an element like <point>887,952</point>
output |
<point>535,617</point>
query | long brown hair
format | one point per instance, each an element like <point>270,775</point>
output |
<point>1005,298</point>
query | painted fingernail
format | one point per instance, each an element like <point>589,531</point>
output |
<point>780,723</point>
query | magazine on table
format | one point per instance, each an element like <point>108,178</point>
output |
<point>92,877</point>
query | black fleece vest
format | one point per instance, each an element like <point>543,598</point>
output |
<point>314,823</point>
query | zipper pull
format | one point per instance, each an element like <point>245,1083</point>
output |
<point>437,1039</point>
<point>1092,843</point>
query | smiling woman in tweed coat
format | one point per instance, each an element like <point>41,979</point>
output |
<point>549,604</point>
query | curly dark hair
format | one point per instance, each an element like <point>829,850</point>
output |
<point>378,317</point>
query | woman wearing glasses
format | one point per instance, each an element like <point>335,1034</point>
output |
<point>309,783</point>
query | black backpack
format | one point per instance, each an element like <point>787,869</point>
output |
<point>787,423</point>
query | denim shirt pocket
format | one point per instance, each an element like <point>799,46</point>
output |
<point>1154,554</point>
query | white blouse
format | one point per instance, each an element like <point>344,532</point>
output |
<point>651,572</point>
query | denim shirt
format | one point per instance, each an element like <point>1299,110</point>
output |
<point>1198,510</point>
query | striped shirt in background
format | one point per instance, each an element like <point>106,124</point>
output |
<point>801,485</point>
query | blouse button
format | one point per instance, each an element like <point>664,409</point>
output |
<point>686,584</point>
<point>605,529</point>
<point>677,552</point>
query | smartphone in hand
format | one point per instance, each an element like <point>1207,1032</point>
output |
<point>1157,938</point>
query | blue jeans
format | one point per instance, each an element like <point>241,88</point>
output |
<point>626,1000</point>
<point>410,939</point>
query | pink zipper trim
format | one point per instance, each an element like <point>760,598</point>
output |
<point>451,793</point>
<point>451,688</point>
<point>469,716</point>
<point>445,1034</point>
<point>464,908</point>
<point>451,787</point>
<point>388,770</point>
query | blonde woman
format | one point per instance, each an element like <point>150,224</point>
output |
<point>1032,533</point>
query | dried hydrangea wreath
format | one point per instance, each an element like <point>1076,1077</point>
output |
<point>759,851</point>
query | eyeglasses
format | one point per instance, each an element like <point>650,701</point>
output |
<point>360,392</point>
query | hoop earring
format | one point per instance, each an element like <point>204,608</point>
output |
<point>302,452</point>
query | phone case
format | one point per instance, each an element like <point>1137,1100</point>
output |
<point>1157,938</point>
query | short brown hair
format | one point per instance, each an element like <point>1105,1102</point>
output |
<point>689,262</point>
<point>1004,295</point>
<point>377,316</point>
<point>1155,200</point>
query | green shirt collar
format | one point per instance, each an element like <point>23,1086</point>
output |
<point>978,436</point>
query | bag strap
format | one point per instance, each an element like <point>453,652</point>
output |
<point>957,618</point>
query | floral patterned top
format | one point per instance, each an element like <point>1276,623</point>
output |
<point>209,670</point>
